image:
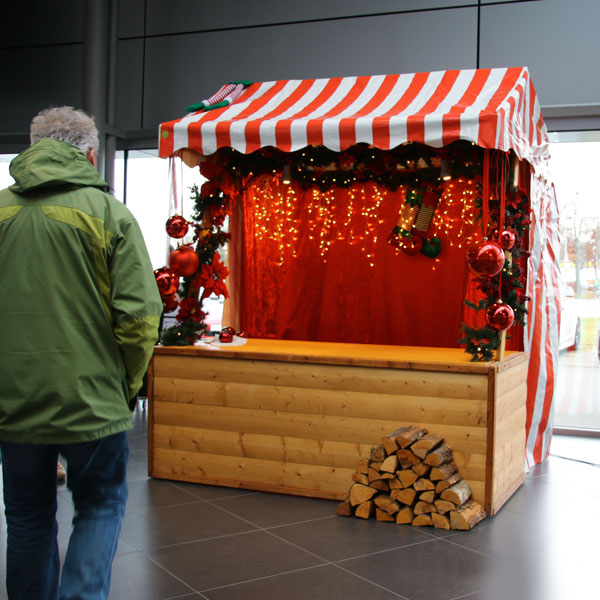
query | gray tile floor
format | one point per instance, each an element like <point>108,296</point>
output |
<point>189,541</point>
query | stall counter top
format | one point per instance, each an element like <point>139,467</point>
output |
<point>367,355</point>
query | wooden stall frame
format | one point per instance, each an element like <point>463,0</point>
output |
<point>505,430</point>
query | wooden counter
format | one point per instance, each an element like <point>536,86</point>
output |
<point>295,417</point>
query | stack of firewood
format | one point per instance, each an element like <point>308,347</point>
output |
<point>411,479</point>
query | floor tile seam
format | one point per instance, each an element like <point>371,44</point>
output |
<point>247,493</point>
<point>154,508</point>
<point>371,582</point>
<point>186,596</point>
<point>577,460</point>
<point>428,541</point>
<point>467,548</point>
<point>469,595</point>
<point>271,527</point>
<point>169,573</point>
<point>187,542</point>
<point>272,576</point>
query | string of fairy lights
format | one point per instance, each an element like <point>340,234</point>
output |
<point>282,213</point>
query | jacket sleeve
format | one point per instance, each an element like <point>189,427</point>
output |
<point>135,301</point>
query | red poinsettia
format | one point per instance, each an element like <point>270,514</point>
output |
<point>212,278</point>
<point>210,188</point>
<point>217,214</point>
<point>189,309</point>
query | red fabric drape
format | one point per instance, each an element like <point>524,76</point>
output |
<point>317,266</point>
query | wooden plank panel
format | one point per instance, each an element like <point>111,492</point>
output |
<point>512,426</point>
<point>470,466</point>
<point>477,489</point>
<point>179,463</point>
<point>509,379</point>
<point>510,402</point>
<point>359,379</point>
<point>367,405</point>
<point>340,429</point>
<point>268,447</point>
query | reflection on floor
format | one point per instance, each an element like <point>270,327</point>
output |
<point>183,541</point>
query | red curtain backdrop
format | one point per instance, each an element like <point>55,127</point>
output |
<point>317,266</point>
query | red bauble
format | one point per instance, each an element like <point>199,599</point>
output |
<point>177,226</point>
<point>170,303</point>
<point>485,258</point>
<point>506,239</point>
<point>184,261</point>
<point>226,335</point>
<point>499,316</point>
<point>167,281</point>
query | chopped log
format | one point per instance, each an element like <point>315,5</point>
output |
<point>395,484</point>
<point>405,515</point>
<point>458,493</point>
<point>467,516</point>
<point>385,502</point>
<point>440,521</point>
<point>365,510</point>
<point>390,444</point>
<point>360,478</point>
<point>421,469</point>
<point>375,464</point>
<point>423,507</point>
<point>422,520</point>
<point>442,472</point>
<point>407,477</point>
<point>406,496</point>
<point>380,484</point>
<point>439,456</point>
<point>407,458</point>
<point>360,493</point>
<point>362,466</point>
<point>446,483</point>
<point>426,444</point>
<point>444,506</point>
<point>373,475</point>
<point>390,464</point>
<point>423,484</point>
<point>428,496</point>
<point>388,476</point>
<point>407,435</point>
<point>381,515</point>
<point>378,454</point>
<point>344,509</point>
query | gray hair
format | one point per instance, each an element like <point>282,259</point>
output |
<point>66,124</point>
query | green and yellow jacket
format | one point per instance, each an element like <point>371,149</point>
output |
<point>79,306</point>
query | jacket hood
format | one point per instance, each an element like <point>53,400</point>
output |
<point>51,163</point>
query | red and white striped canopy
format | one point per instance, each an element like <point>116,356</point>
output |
<point>494,108</point>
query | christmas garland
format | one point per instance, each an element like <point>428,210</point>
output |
<point>201,267</point>
<point>506,287</point>
<point>317,166</point>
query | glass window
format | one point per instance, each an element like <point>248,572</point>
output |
<point>574,160</point>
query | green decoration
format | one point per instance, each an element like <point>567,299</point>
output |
<point>431,248</point>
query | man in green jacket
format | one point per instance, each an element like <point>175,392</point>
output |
<point>79,314</point>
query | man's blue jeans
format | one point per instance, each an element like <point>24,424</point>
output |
<point>96,477</point>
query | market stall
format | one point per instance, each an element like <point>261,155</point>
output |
<point>355,206</point>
